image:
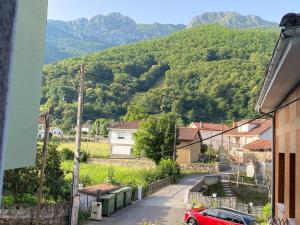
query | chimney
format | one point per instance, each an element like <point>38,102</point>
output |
<point>201,125</point>
<point>234,124</point>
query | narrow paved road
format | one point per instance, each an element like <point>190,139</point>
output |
<point>166,206</point>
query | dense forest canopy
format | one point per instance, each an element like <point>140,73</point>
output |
<point>208,73</point>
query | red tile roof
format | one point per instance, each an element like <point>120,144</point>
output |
<point>125,125</point>
<point>259,144</point>
<point>262,126</point>
<point>187,133</point>
<point>104,188</point>
<point>210,126</point>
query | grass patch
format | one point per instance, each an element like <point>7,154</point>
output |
<point>244,179</point>
<point>246,195</point>
<point>98,150</point>
<point>97,173</point>
<point>215,188</point>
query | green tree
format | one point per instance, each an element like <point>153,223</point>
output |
<point>23,182</point>
<point>54,175</point>
<point>100,127</point>
<point>135,113</point>
<point>155,137</point>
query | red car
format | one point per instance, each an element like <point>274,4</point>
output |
<point>221,216</point>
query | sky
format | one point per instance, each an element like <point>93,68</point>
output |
<point>169,11</point>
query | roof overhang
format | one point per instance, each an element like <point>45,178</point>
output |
<point>284,71</point>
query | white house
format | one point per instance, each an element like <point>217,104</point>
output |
<point>56,131</point>
<point>260,129</point>
<point>121,138</point>
<point>210,129</point>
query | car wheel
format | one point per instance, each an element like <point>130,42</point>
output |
<point>192,221</point>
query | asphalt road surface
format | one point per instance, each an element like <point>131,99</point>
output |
<point>165,206</point>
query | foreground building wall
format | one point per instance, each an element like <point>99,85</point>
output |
<point>287,159</point>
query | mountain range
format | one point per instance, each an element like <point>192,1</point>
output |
<point>81,36</point>
<point>206,73</point>
<point>230,20</point>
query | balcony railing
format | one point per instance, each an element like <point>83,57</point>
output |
<point>277,221</point>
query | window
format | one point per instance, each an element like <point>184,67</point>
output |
<point>229,217</point>
<point>281,177</point>
<point>224,216</point>
<point>292,202</point>
<point>121,135</point>
<point>210,212</point>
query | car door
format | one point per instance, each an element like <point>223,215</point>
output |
<point>208,217</point>
<point>229,219</point>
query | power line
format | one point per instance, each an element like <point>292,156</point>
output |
<point>233,128</point>
<point>153,92</point>
<point>207,115</point>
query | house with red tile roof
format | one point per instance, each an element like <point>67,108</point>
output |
<point>260,129</point>
<point>210,129</point>
<point>190,153</point>
<point>121,140</point>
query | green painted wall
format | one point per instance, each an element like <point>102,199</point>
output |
<point>25,84</point>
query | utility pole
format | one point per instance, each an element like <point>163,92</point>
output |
<point>75,194</point>
<point>175,140</point>
<point>211,146</point>
<point>47,118</point>
<point>222,144</point>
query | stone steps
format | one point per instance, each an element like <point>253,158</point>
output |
<point>227,190</point>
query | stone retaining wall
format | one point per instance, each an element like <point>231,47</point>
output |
<point>50,215</point>
<point>198,168</point>
<point>123,162</point>
<point>156,186</point>
<point>194,196</point>
<point>204,168</point>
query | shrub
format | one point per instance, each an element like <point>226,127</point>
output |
<point>83,216</point>
<point>67,154</point>
<point>84,156</point>
<point>167,168</point>
<point>86,180</point>
<point>149,175</point>
<point>266,214</point>
<point>110,179</point>
<point>8,201</point>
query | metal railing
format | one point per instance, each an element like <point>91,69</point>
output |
<point>278,221</point>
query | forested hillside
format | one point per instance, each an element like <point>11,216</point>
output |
<point>209,73</point>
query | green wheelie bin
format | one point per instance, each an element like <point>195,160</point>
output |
<point>119,198</point>
<point>108,204</point>
<point>127,195</point>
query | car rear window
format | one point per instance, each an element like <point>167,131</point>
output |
<point>211,212</point>
<point>231,218</point>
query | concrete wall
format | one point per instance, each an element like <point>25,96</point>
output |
<point>215,141</point>
<point>143,162</point>
<point>50,215</point>
<point>287,141</point>
<point>156,186</point>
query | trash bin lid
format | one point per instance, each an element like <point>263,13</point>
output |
<point>126,188</point>
<point>116,191</point>
<point>108,196</point>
